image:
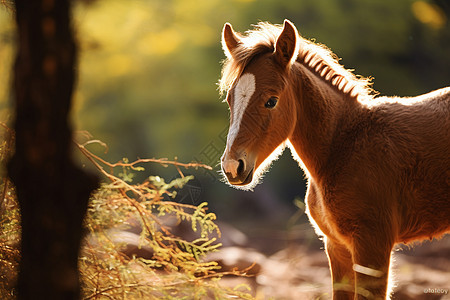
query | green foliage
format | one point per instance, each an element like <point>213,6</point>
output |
<point>148,69</point>
<point>146,63</point>
<point>176,269</point>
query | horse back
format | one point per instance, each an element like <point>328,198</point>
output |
<point>393,159</point>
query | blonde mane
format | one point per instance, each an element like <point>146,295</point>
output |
<point>318,58</point>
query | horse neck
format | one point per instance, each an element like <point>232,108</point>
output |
<point>319,107</point>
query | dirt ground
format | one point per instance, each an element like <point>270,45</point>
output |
<point>300,269</point>
<point>291,264</point>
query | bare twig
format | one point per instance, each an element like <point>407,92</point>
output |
<point>170,251</point>
<point>163,161</point>
<point>141,211</point>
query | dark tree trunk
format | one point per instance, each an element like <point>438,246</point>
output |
<point>52,192</point>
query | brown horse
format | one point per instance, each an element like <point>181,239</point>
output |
<point>378,168</point>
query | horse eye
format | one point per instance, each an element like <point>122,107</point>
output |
<point>271,102</point>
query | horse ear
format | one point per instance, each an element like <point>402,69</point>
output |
<point>230,40</point>
<point>286,48</point>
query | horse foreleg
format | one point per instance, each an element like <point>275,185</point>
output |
<point>371,260</point>
<point>341,270</point>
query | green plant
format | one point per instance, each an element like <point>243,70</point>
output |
<point>176,269</point>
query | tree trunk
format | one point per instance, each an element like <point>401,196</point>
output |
<point>52,192</point>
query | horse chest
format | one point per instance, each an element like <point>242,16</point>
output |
<point>327,216</point>
<point>317,211</point>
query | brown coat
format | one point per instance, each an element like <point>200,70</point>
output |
<point>378,167</point>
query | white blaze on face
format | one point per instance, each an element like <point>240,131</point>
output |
<point>243,92</point>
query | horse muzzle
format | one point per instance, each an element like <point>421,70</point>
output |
<point>238,171</point>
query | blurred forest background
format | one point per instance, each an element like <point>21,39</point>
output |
<point>148,72</point>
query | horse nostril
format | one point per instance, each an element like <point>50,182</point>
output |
<point>241,167</point>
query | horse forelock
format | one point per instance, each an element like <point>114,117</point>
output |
<point>316,57</point>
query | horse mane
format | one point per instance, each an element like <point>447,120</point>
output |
<point>316,57</point>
